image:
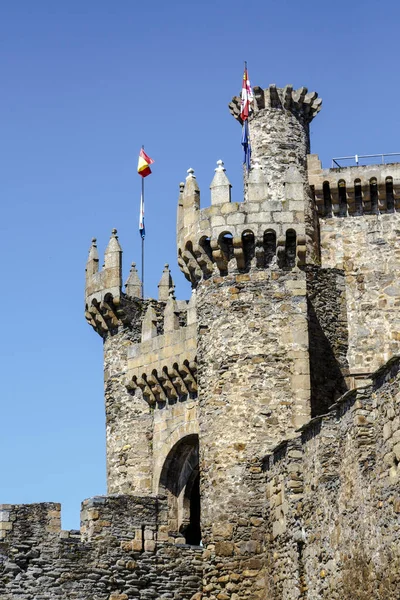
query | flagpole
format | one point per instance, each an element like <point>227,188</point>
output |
<point>143,236</point>
<point>143,170</point>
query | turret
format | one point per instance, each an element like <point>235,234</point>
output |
<point>276,224</point>
<point>279,130</point>
<point>109,280</point>
<point>247,262</point>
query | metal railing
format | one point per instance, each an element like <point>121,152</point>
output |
<point>357,157</point>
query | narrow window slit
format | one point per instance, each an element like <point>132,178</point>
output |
<point>358,199</point>
<point>342,198</point>
<point>373,189</point>
<point>389,194</point>
<point>327,199</point>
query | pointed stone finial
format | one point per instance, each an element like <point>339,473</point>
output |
<point>190,199</point>
<point>171,319</point>
<point>112,255</point>
<point>149,325</point>
<point>293,175</point>
<point>107,281</point>
<point>256,184</point>
<point>92,265</point>
<point>133,285</point>
<point>220,186</point>
<point>93,250</point>
<point>166,285</point>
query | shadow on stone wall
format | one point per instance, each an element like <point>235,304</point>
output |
<point>326,377</point>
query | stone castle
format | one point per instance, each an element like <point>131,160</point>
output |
<point>253,432</point>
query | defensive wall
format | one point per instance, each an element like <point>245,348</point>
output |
<point>359,229</point>
<point>121,552</point>
<point>333,500</point>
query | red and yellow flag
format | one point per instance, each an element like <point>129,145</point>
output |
<point>144,164</point>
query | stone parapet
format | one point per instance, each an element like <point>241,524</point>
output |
<point>277,220</point>
<point>300,102</point>
<point>260,232</point>
<point>124,517</point>
<point>354,191</point>
<point>164,367</point>
<point>119,555</point>
<point>32,522</point>
<point>332,493</point>
<point>108,308</point>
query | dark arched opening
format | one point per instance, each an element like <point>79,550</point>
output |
<point>327,198</point>
<point>269,246</point>
<point>358,199</point>
<point>205,243</point>
<point>290,248</point>
<point>342,198</point>
<point>192,530</point>
<point>389,194</point>
<point>180,481</point>
<point>373,190</point>
<point>248,247</point>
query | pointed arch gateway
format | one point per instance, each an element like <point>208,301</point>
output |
<point>180,481</point>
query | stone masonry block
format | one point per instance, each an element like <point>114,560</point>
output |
<point>283,217</point>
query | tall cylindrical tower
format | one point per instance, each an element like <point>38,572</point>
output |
<point>246,261</point>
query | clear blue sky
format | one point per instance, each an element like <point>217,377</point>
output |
<point>84,84</point>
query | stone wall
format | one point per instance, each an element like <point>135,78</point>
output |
<point>357,190</point>
<point>333,500</point>
<point>129,423</point>
<point>122,553</point>
<point>254,389</point>
<point>367,249</point>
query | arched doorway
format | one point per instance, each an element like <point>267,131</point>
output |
<point>180,480</point>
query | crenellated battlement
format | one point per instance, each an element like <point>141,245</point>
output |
<point>354,191</point>
<point>108,308</point>
<point>300,102</point>
<point>123,542</point>
<point>35,523</point>
<point>261,232</point>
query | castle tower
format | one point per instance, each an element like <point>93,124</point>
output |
<point>199,392</point>
<point>248,264</point>
<point>253,431</point>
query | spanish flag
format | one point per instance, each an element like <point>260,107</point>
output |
<point>144,164</point>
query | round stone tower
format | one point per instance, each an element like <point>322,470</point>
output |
<point>279,130</point>
<point>246,265</point>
